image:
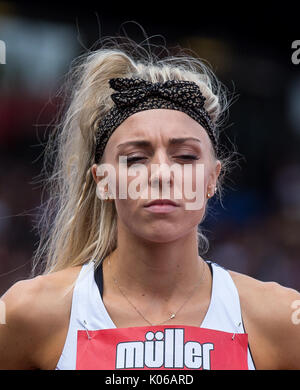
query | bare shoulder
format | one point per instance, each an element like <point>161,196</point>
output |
<point>35,312</point>
<point>252,286</point>
<point>39,295</point>
<point>272,313</point>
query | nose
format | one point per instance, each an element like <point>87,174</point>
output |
<point>160,175</point>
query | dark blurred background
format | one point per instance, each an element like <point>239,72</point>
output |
<point>256,230</point>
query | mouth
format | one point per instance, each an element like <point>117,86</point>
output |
<point>161,206</point>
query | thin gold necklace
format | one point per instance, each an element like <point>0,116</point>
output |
<point>173,315</point>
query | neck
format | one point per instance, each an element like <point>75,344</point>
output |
<point>156,269</point>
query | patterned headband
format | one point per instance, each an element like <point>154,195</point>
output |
<point>136,95</point>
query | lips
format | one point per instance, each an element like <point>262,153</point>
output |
<point>161,202</point>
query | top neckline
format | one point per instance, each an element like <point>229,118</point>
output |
<point>99,304</point>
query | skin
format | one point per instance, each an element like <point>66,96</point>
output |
<point>156,259</point>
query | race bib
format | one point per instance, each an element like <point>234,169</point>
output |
<point>161,347</point>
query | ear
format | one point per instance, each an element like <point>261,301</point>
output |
<point>94,173</point>
<point>102,191</point>
<point>218,167</point>
<point>213,178</point>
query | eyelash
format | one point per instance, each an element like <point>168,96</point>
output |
<point>184,157</point>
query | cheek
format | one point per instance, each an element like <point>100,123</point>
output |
<point>125,209</point>
<point>194,184</point>
<point>191,218</point>
<point>130,214</point>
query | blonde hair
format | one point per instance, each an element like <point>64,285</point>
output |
<point>75,225</point>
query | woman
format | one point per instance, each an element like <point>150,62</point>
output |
<point>124,285</point>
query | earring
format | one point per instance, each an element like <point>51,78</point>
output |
<point>209,195</point>
<point>105,196</point>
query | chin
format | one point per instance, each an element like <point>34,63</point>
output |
<point>162,235</point>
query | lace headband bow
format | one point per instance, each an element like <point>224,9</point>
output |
<point>134,95</point>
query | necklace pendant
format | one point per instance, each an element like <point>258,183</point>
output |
<point>172,316</point>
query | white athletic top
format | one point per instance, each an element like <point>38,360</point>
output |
<point>89,313</point>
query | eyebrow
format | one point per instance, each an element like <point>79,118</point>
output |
<point>145,143</point>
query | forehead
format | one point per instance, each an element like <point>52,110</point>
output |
<point>157,124</point>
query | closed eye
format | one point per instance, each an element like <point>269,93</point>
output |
<point>184,157</point>
<point>132,159</point>
<point>188,157</point>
